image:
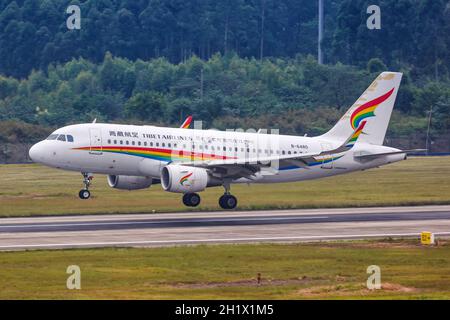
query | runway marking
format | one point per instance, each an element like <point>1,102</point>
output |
<point>68,224</point>
<point>218,240</point>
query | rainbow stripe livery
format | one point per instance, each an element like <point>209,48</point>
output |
<point>367,109</point>
<point>165,155</point>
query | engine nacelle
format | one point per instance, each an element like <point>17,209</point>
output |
<point>182,179</point>
<point>129,182</point>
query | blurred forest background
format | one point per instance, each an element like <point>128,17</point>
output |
<point>230,63</point>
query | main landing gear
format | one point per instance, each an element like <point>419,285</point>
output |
<point>191,199</point>
<point>84,193</point>
<point>227,201</point>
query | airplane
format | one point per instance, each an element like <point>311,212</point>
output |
<point>188,161</point>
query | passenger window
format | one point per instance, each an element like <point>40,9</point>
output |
<point>139,143</point>
<point>109,141</point>
<point>69,138</point>
<point>145,143</point>
<point>163,144</point>
<point>133,143</point>
<point>127,142</point>
<point>121,141</point>
<point>62,137</point>
<point>115,141</point>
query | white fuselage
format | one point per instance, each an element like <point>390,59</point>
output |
<point>131,150</point>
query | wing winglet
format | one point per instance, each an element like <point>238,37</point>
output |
<point>186,123</point>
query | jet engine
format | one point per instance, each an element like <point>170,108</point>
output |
<point>129,182</point>
<point>183,179</point>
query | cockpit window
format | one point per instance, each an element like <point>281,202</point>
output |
<point>69,138</point>
<point>52,137</point>
<point>62,137</point>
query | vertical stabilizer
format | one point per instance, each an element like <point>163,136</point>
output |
<point>374,106</point>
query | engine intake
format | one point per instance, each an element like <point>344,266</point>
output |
<point>182,179</point>
<point>129,182</point>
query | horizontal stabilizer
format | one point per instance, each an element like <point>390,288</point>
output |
<point>377,155</point>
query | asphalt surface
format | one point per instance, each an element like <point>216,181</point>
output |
<point>221,227</point>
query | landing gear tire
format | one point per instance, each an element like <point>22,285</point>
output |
<point>84,194</point>
<point>191,199</point>
<point>227,201</point>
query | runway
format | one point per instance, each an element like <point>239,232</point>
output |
<point>132,230</point>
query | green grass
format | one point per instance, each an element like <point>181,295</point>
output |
<point>37,190</point>
<point>335,270</point>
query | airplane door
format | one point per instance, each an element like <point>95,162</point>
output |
<point>96,141</point>
<point>326,163</point>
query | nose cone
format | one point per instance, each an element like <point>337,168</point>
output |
<point>36,152</point>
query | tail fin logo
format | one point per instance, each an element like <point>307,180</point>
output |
<point>367,109</point>
<point>184,179</point>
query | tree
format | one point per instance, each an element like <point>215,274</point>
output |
<point>8,87</point>
<point>376,65</point>
<point>146,106</point>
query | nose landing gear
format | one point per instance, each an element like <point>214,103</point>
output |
<point>84,193</point>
